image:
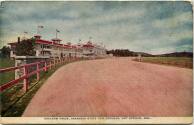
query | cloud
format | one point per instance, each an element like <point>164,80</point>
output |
<point>154,27</point>
<point>174,22</point>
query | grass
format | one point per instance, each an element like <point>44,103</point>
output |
<point>7,76</point>
<point>14,100</point>
<point>184,62</point>
<point>6,62</point>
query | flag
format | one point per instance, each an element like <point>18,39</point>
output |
<point>40,27</point>
<point>57,30</point>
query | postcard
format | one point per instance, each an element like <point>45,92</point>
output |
<point>96,62</point>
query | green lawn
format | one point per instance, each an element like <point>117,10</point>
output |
<point>184,62</point>
<point>6,62</point>
<point>7,76</point>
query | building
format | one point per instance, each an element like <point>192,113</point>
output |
<point>54,49</point>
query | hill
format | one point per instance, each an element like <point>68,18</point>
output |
<point>177,54</point>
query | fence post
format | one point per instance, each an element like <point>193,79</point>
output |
<point>54,62</point>
<point>45,66</point>
<point>25,82</point>
<point>38,72</point>
<point>50,64</point>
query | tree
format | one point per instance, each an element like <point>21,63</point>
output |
<point>5,51</point>
<point>121,52</point>
<point>26,47</point>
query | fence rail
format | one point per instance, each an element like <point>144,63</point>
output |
<point>47,65</point>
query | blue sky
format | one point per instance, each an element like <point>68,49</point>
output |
<point>153,27</point>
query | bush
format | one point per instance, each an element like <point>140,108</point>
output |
<point>5,51</point>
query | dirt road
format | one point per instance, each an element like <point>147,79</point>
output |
<point>114,87</point>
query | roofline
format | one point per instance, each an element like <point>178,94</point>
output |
<point>47,42</point>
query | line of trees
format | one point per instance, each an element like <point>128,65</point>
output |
<point>121,52</point>
<point>126,52</point>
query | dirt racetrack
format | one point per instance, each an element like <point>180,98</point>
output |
<point>114,87</point>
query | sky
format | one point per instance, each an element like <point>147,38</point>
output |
<point>152,27</point>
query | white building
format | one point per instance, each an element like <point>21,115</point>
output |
<point>54,49</point>
<point>93,50</point>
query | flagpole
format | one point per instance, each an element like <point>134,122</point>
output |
<point>37,30</point>
<point>56,34</point>
<point>25,33</point>
<point>57,31</point>
<point>90,38</point>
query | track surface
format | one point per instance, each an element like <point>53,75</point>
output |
<point>114,87</point>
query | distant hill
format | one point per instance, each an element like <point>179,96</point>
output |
<point>177,54</point>
<point>126,52</point>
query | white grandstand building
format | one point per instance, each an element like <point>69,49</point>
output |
<point>54,49</point>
